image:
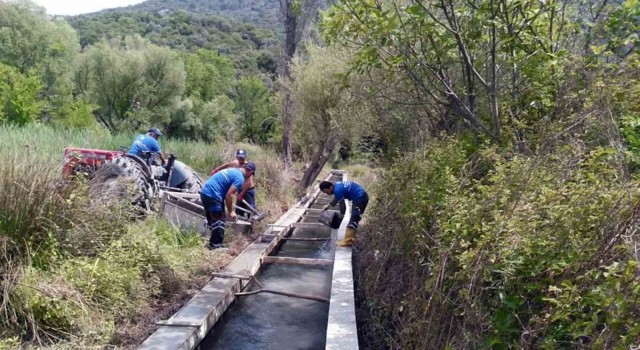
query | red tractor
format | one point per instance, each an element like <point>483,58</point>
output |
<point>149,178</point>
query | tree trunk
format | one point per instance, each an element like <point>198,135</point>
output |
<point>493,89</point>
<point>317,163</point>
<point>290,22</point>
<point>287,128</point>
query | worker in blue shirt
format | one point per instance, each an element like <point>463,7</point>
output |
<point>248,192</point>
<point>147,143</point>
<point>217,193</point>
<point>347,190</point>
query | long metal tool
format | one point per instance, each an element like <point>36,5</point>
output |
<point>252,216</point>
<point>258,216</point>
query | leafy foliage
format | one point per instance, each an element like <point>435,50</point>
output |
<point>40,48</point>
<point>19,103</point>
<point>255,114</point>
<point>490,68</point>
<point>132,82</point>
<point>208,74</point>
<point>505,251</point>
<point>124,82</point>
<point>326,112</point>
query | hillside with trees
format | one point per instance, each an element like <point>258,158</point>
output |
<point>261,13</point>
<point>253,50</point>
<point>125,82</point>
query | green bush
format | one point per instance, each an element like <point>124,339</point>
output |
<point>19,103</point>
<point>501,251</point>
<point>109,283</point>
<point>46,306</point>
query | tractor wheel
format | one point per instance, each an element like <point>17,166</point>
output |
<point>122,177</point>
<point>193,184</point>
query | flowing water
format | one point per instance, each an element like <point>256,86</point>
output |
<point>269,321</point>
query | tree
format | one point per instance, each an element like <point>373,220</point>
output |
<point>33,44</point>
<point>19,103</point>
<point>254,111</point>
<point>328,112</point>
<point>131,81</point>
<point>295,15</point>
<point>208,74</point>
<point>212,120</point>
<point>478,65</point>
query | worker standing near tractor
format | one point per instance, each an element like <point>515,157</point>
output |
<point>147,143</point>
<point>217,193</point>
<point>248,192</point>
<point>347,190</point>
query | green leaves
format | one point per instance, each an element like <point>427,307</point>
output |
<point>416,10</point>
<point>256,117</point>
<point>19,96</point>
<point>129,80</point>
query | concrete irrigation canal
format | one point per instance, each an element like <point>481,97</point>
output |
<point>291,289</point>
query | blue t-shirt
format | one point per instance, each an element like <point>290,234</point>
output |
<point>144,143</point>
<point>348,190</point>
<point>218,185</point>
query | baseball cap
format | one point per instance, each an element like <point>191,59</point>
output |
<point>155,131</point>
<point>251,166</point>
<point>241,154</point>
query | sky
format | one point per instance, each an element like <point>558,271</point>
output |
<point>76,7</point>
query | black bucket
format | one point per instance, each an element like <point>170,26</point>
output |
<point>331,219</point>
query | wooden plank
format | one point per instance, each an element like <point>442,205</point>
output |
<point>296,261</point>
<point>288,294</point>
<point>185,204</point>
<point>183,195</point>
<point>314,210</point>
<point>169,324</point>
<point>307,239</point>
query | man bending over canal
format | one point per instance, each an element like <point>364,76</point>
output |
<point>347,190</point>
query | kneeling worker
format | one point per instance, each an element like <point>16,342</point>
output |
<point>347,190</point>
<point>217,192</point>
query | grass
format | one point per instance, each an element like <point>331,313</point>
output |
<point>46,144</point>
<point>80,274</point>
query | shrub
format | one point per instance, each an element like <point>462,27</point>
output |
<point>501,251</point>
<point>47,308</point>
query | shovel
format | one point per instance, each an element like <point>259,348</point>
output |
<point>254,215</point>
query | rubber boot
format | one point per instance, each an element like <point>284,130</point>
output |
<point>349,236</point>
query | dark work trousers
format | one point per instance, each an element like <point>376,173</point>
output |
<point>357,209</point>
<point>214,211</point>
<point>250,197</point>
